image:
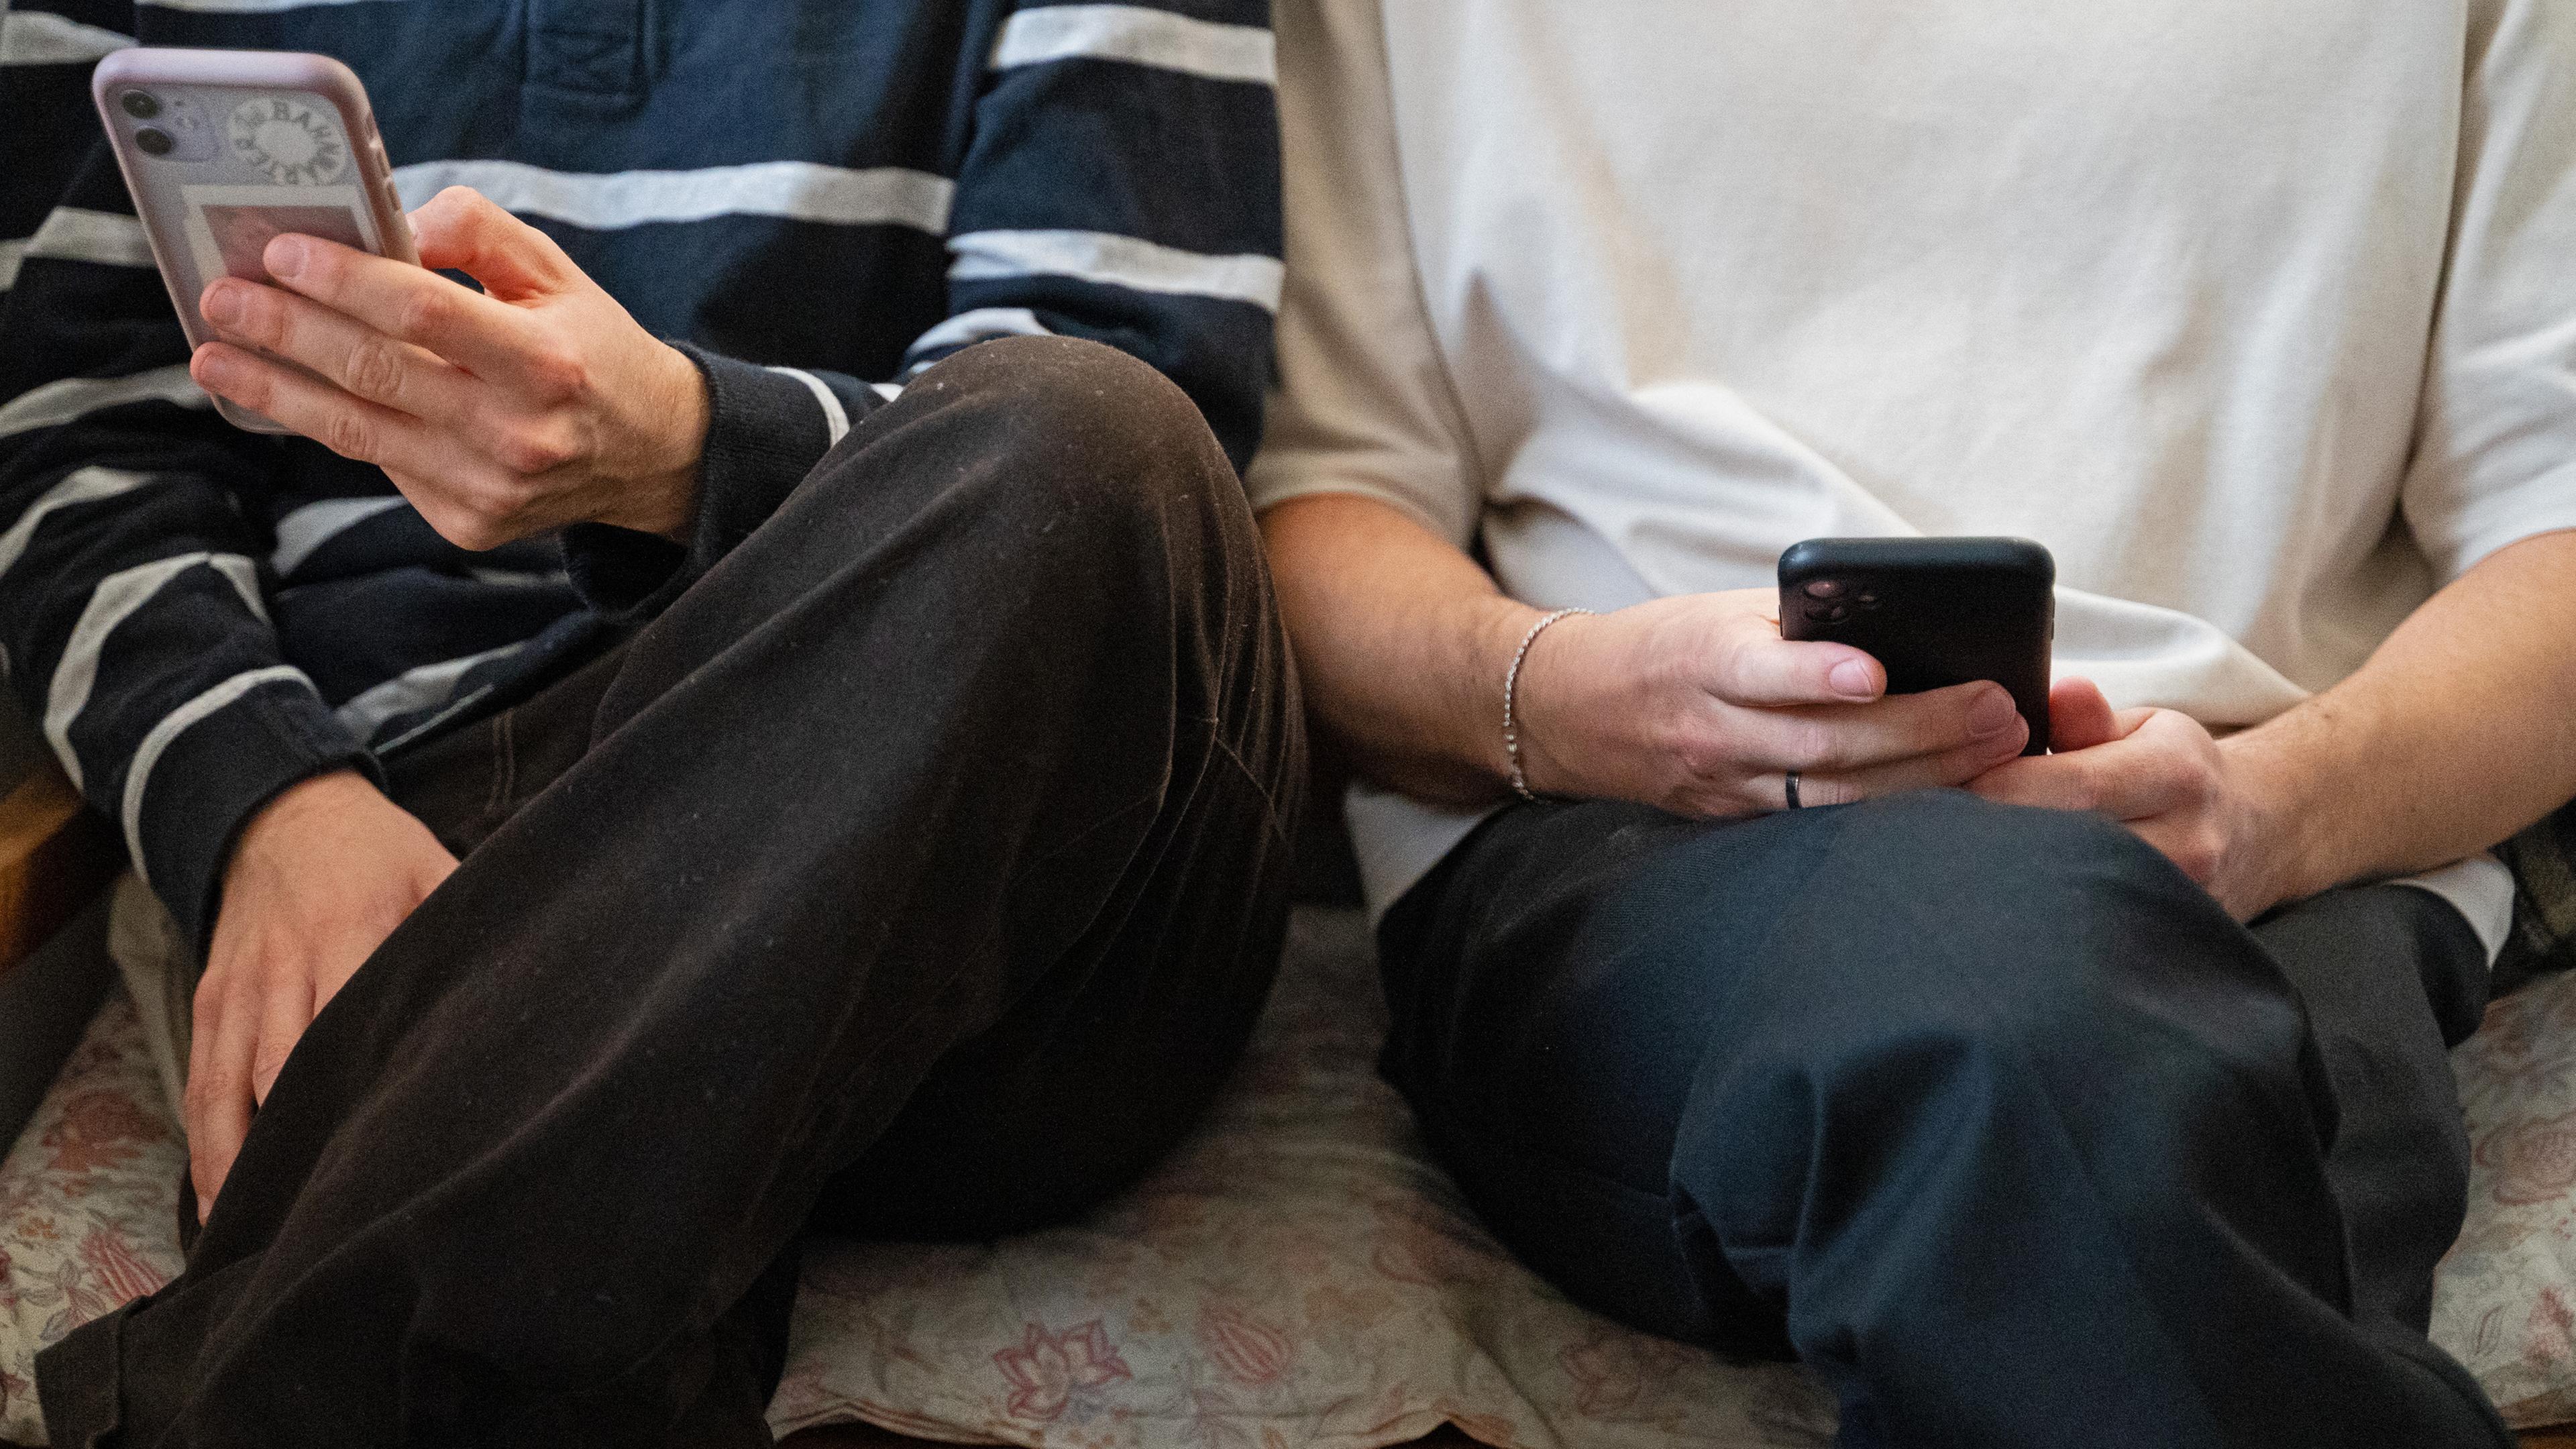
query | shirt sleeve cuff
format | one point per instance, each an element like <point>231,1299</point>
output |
<point>766,429</point>
<point>217,774</point>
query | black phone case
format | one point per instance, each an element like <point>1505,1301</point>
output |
<point>1934,611</point>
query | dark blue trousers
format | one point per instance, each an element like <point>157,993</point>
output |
<point>1988,1114</point>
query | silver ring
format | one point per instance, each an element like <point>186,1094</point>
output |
<point>1793,791</point>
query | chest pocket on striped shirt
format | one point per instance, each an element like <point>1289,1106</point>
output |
<point>587,47</point>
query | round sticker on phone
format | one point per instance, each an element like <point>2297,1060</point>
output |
<point>292,141</point>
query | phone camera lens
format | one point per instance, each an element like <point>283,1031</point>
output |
<point>141,105</point>
<point>1825,589</point>
<point>153,142</point>
<point>1828,613</point>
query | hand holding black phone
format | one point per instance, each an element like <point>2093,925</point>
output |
<point>1933,612</point>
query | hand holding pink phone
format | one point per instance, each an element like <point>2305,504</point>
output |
<point>535,402</point>
<point>225,150</point>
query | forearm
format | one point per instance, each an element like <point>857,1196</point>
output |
<point>1401,641</point>
<point>2458,732</point>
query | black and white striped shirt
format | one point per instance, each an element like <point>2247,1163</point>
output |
<point>817,197</point>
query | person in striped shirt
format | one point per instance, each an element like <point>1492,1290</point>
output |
<point>776,684</point>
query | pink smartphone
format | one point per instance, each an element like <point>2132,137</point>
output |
<point>225,149</point>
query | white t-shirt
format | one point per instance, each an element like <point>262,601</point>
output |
<point>2261,316</point>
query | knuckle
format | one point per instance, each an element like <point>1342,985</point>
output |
<point>206,1007</point>
<point>253,386</point>
<point>2199,859</point>
<point>348,435</point>
<point>1702,753</point>
<point>1735,667</point>
<point>267,1063</point>
<point>1807,744</point>
<point>263,317</point>
<point>558,370</point>
<point>469,524</point>
<point>2182,782</point>
<point>425,312</point>
<point>494,502</point>
<point>375,370</point>
<point>531,451</point>
<point>1828,790</point>
<point>447,522</point>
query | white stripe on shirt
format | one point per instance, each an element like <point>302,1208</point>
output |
<point>110,604</point>
<point>520,578</point>
<point>138,773</point>
<point>797,190</point>
<point>1139,36</point>
<point>84,485</point>
<point>32,37</point>
<point>71,233</point>
<point>424,688</point>
<point>308,528</point>
<point>1122,261</point>
<point>836,418</point>
<point>60,402</point>
<point>242,7</point>
<point>980,325</point>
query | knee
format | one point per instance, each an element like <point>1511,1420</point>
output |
<point>1093,436</point>
<point>2048,943</point>
<point>1046,470</point>
<point>1964,990</point>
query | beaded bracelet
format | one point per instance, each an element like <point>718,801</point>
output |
<point>1511,688</point>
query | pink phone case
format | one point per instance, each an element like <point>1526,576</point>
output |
<point>223,149</point>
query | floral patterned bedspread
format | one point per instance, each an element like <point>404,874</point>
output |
<point>1297,1275</point>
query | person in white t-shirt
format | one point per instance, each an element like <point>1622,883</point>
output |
<point>2099,1094</point>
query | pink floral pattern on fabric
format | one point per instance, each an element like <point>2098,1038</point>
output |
<point>1297,1276</point>
<point>2505,1302</point>
<point>1049,1371</point>
<point>88,1205</point>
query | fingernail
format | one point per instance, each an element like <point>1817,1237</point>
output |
<point>222,304</point>
<point>1992,714</point>
<point>285,256</point>
<point>1851,677</point>
<point>213,369</point>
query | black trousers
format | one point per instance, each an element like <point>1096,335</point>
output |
<point>920,871</point>
<point>1988,1114</point>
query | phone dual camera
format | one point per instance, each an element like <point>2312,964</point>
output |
<point>1831,601</point>
<point>173,127</point>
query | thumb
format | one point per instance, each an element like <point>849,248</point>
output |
<point>2079,717</point>
<point>462,230</point>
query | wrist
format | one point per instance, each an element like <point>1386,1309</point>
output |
<point>292,812</point>
<point>664,498</point>
<point>1491,630</point>
<point>1544,705</point>
<point>2281,835</point>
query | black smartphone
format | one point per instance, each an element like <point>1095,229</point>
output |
<point>1933,611</point>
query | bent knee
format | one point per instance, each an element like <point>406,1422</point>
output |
<point>2018,932</point>
<point>2004,873</point>
<point>1083,413</point>
<point>1060,455</point>
<point>1090,452</point>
